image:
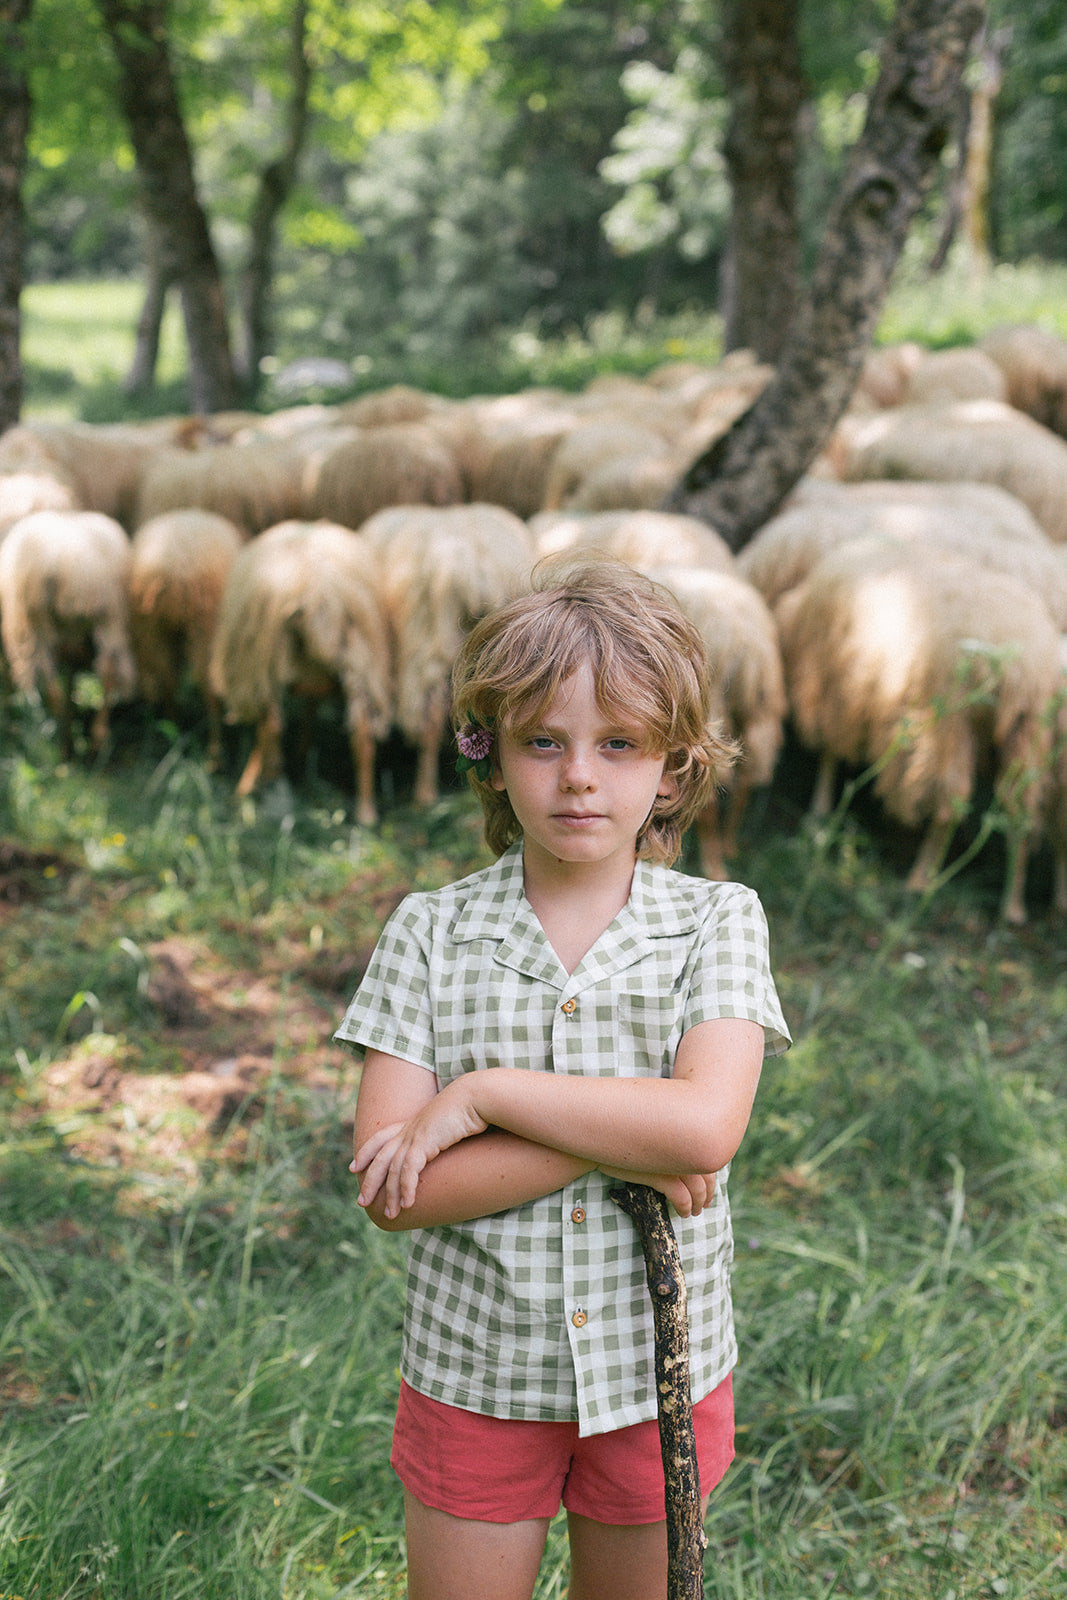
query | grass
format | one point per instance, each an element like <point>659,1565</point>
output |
<point>198,1358</point>
<point>78,344</point>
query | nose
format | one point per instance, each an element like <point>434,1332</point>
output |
<point>576,772</point>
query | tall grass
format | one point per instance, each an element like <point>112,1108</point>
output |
<point>198,1354</point>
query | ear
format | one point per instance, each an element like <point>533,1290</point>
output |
<point>667,788</point>
<point>497,780</point>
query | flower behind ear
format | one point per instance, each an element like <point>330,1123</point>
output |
<point>475,746</point>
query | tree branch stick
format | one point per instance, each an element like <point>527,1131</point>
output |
<point>686,1541</point>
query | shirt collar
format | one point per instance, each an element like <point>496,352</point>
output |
<point>662,904</point>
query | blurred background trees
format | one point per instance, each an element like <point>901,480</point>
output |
<point>382,181</point>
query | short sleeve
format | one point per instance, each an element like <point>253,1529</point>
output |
<point>731,971</point>
<point>391,1009</point>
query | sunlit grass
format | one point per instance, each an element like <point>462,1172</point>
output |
<point>78,337</point>
<point>961,303</point>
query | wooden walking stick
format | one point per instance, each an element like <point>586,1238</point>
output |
<point>686,1540</point>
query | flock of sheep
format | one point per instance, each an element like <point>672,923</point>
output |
<point>906,608</point>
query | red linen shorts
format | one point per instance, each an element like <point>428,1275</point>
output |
<point>495,1469</point>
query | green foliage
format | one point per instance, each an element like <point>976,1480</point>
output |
<point>1029,205</point>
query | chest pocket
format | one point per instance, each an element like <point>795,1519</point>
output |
<point>646,1031</point>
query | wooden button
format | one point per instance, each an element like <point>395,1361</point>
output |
<point>578,1214</point>
<point>579,1319</point>
<point>569,1006</point>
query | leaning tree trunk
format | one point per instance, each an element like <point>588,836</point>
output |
<point>742,479</point>
<point>760,55</point>
<point>275,185</point>
<point>14,130</point>
<point>149,97</point>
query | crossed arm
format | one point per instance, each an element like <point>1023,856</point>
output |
<point>495,1139</point>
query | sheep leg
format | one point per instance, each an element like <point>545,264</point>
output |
<point>265,762</point>
<point>1013,903</point>
<point>709,841</point>
<point>362,743</point>
<point>58,697</point>
<point>932,852</point>
<point>740,794</point>
<point>822,800</point>
<point>214,731</point>
<point>433,729</point>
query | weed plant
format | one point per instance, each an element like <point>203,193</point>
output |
<point>199,1347</point>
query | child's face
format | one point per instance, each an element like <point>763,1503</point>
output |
<point>581,783</point>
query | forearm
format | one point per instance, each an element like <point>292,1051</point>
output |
<point>642,1124</point>
<point>491,1172</point>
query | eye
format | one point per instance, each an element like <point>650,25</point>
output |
<point>541,741</point>
<point>620,743</point>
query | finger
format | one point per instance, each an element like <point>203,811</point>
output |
<point>376,1172</point>
<point>372,1144</point>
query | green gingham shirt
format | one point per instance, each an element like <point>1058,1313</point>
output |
<point>542,1311</point>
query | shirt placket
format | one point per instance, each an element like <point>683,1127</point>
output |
<point>573,1051</point>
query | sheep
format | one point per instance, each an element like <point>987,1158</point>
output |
<point>923,668</point>
<point>627,483</point>
<point>384,408</point>
<point>179,564</point>
<point>1034,364</point>
<point>301,613</point>
<point>642,538</point>
<point>103,464</point>
<point>397,464</point>
<point>505,447</point>
<point>745,669</point>
<point>884,376</point>
<point>972,519</point>
<point>589,446</point>
<point>255,484</point>
<point>26,491</point>
<point>963,373</point>
<point>63,609</point>
<point>984,441</point>
<point>442,569</point>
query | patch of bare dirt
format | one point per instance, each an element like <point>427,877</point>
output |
<point>231,1031</point>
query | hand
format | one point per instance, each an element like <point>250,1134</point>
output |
<point>394,1156</point>
<point>687,1194</point>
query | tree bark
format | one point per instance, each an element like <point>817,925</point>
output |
<point>275,185</point>
<point>742,479</point>
<point>686,1541</point>
<point>148,94</point>
<point>14,132</point>
<point>158,281</point>
<point>760,55</point>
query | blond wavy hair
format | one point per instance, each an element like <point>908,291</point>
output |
<point>649,668</point>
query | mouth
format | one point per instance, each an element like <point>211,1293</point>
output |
<point>578,817</point>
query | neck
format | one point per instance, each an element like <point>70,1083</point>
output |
<point>575,903</point>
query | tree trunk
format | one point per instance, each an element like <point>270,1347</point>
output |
<point>14,131</point>
<point>141,375</point>
<point>979,150</point>
<point>149,98</point>
<point>275,185</point>
<point>742,479</point>
<point>760,54</point>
